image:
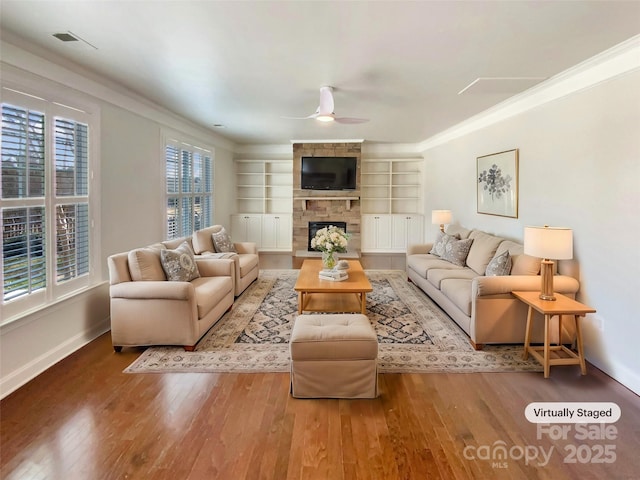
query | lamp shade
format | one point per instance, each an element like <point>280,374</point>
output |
<point>439,217</point>
<point>548,242</point>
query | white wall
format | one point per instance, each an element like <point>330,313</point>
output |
<point>580,168</point>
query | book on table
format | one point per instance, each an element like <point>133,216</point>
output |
<point>333,275</point>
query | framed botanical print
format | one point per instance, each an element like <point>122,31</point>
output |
<point>497,184</point>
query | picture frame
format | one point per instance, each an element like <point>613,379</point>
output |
<point>497,184</point>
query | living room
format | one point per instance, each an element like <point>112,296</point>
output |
<point>577,136</point>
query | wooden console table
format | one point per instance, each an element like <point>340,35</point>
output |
<point>563,305</point>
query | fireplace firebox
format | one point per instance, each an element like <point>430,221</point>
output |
<point>315,226</point>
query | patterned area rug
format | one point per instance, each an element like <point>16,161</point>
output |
<point>414,335</point>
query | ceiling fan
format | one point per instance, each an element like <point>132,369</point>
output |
<point>325,113</point>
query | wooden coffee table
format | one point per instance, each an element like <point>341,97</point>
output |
<point>316,295</point>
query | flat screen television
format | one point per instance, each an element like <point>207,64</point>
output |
<point>328,173</point>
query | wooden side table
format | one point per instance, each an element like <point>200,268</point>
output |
<point>563,305</point>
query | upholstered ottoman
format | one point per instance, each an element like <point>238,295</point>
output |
<point>334,356</point>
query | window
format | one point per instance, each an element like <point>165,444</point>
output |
<point>189,187</point>
<point>44,202</point>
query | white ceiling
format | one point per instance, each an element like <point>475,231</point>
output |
<point>248,64</point>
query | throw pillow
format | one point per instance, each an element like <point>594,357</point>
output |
<point>179,264</point>
<point>499,265</point>
<point>441,242</point>
<point>222,241</point>
<point>456,251</point>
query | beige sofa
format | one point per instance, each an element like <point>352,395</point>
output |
<point>245,260</point>
<point>483,305</point>
<point>147,309</point>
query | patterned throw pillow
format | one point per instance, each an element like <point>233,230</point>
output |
<point>456,251</point>
<point>179,264</point>
<point>222,241</point>
<point>441,242</point>
<point>499,265</point>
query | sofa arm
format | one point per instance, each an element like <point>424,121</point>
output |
<point>153,290</point>
<point>419,248</point>
<point>481,286</point>
<point>246,247</point>
<point>215,267</point>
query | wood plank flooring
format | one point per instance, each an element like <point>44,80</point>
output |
<point>85,419</point>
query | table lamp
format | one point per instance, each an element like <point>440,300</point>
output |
<point>440,217</point>
<point>548,243</point>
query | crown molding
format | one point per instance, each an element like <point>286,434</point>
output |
<point>619,60</point>
<point>46,65</point>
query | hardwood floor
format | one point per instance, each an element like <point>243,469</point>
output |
<point>85,419</point>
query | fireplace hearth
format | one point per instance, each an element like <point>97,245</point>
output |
<point>315,226</point>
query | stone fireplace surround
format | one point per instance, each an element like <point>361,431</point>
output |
<point>322,206</point>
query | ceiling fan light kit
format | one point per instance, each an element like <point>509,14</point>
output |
<point>325,118</point>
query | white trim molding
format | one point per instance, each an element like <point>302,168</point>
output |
<point>619,60</point>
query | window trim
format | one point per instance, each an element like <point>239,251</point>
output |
<point>181,142</point>
<point>55,102</point>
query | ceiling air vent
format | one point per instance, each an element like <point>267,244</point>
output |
<point>66,37</point>
<point>72,39</point>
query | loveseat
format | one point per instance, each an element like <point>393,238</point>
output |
<point>480,303</point>
<point>167,296</point>
<point>214,240</point>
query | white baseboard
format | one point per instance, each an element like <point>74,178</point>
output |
<point>21,376</point>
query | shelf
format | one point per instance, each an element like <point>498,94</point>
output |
<point>263,186</point>
<point>348,200</point>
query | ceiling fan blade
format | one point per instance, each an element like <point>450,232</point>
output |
<point>313,115</point>
<point>326,101</point>
<point>350,121</point>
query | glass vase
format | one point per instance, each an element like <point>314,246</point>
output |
<point>328,260</point>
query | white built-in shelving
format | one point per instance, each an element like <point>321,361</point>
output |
<point>264,203</point>
<point>391,200</point>
<point>391,186</point>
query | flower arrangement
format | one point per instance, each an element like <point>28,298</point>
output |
<point>330,240</point>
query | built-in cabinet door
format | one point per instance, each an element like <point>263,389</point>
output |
<point>376,233</point>
<point>276,232</point>
<point>407,229</point>
<point>247,228</point>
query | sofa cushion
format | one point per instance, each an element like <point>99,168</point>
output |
<point>247,262</point>
<point>458,290</point>
<point>521,264</point>
<point>437,275</point>
<point>500,264</point>
<point>456,251</point>
<point>441,242</point>
<point>222,241</point>
<point>421,263</point>
<point>176,242</point>
<point>457,230</point>
<point>482,251</point>
<point>180,264</point>
<point>144,264</point>
<point>210,291</point>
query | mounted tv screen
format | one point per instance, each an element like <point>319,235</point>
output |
<point>328,173</point>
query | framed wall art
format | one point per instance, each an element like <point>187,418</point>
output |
<point>497,184</point>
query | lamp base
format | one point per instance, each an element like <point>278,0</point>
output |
<point>549,298</point>
<point>546,290</point>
